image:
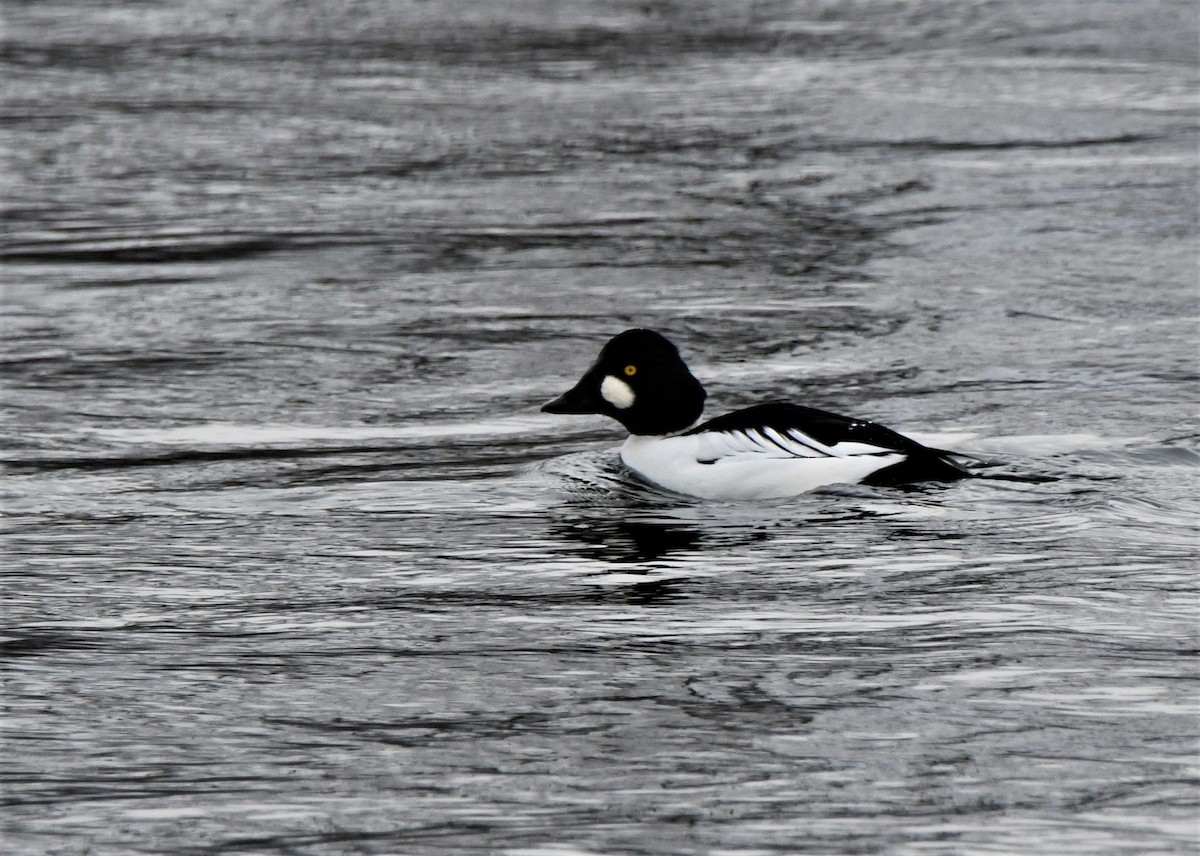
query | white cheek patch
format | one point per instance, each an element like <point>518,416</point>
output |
<point>617,393</point>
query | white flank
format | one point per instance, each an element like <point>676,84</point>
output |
<point>617,393</point>
<point>741,466</point>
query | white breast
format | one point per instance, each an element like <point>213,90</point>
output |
<point>737,465</point>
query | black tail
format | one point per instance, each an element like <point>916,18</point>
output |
<point>928,465</point>
<point>939,465</point>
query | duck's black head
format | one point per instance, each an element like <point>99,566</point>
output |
<point>641,381</point>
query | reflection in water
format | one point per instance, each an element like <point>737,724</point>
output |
<point>628,541</point>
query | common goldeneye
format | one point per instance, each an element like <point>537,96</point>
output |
<point>770,450</point>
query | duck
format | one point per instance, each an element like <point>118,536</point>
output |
<point>768,451</point>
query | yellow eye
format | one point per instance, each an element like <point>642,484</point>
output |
<point>630,370</point>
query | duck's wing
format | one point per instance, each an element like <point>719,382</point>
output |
<point>782,430</point>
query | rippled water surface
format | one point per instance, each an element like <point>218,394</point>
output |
<point>294,564</point>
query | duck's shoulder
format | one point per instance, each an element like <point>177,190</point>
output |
<point>789,420</point>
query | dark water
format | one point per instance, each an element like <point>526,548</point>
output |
<point>295,566</point>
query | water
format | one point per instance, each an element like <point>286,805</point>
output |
<point>294,565</point>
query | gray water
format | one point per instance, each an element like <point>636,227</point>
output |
<point>294,565</point>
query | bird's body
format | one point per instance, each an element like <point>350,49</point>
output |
<point>767,451</point>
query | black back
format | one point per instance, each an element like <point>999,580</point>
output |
<point>921,463</point>
<point>821,425</point>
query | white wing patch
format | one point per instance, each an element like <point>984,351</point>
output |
<point>766,442</point>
